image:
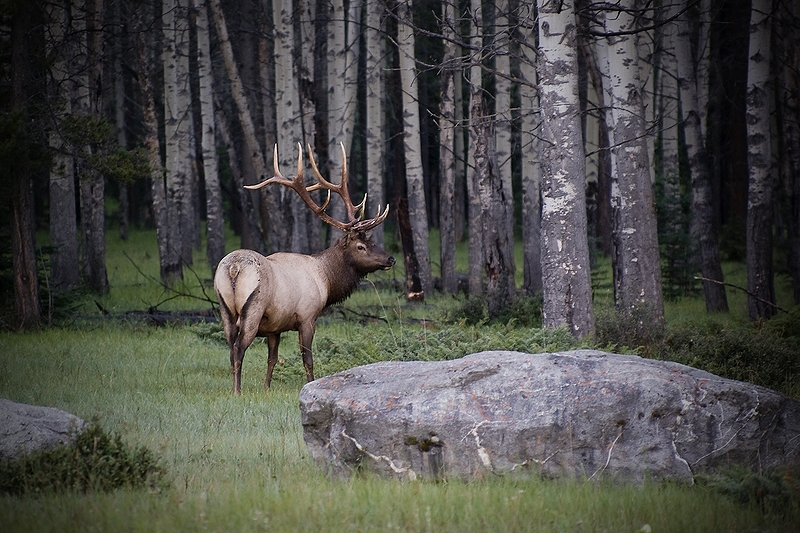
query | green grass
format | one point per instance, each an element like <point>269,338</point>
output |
<point>240,463</point>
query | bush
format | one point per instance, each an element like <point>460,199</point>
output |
<point>774,491</point>
<point>95,461</point>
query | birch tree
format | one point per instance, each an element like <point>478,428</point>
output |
<point>531,169</point>
<point>761,183</point>
<point>376,139</point>
<point>243,109</point>
<point>567,292</point>
<point>447,164</point>
<point>637,270</point>
<point>474,215</point>
<point>215,240</point>
<point>504,201</point>
<point>176,118</point>
<point>702,224</point>
<point>412,144</point>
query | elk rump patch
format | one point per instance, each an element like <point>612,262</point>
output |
<point>583,413</point>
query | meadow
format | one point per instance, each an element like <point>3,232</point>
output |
<point>240,463</point>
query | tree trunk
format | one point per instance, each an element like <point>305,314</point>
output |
<point>175,115</point>
<point>531,167</point>
<point>215,225</point>
<point>376,138</point>
<point>92,182</point>
<point>446,155</point>
<point>761,183</point>
<point>502,117</point>
<point>637,270</point>
<point>64,262</point>
<point>703,232</point>
<point>789,124</point>
<point>343,28</point>
<point>150,136</point>
<point>243,109</point>
<point>412,146</point>
<point>474,224</point>
<point>289,123</point>
<point>673,235</point>
<point>567,291</point>
<point>23,243</point>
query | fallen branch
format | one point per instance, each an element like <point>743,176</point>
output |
<point>176,293</point>
<point>762,300</point>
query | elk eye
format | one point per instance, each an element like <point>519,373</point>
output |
<point>362,247</point>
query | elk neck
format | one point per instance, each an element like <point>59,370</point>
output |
<point>341,274</point>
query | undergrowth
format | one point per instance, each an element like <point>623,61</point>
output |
<point>95,460</point>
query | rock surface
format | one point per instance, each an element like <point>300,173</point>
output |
<point>28,428</point>
<point>581,413</point>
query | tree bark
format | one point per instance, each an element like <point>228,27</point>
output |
<point>215,226</point>
<point>702,228</point>
<point>761,183</point>
<point>637,270</point>
<point>474,223</point>
<point>502,118</point>
<point>243,109</point>
<point>412,146</point>
<point>92,182</point>
<point>447,156</point>
<point>567,291</point>
<point>64,259</point>
<point>531,167</point>
<point>376,138</point>
<point>23,243</point>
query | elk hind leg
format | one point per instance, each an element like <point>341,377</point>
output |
<point>272,342</point>
<point>306,339</point>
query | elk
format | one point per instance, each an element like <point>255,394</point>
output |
<point>265,296</point>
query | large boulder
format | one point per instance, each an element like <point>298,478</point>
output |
<point>580,413</point>
<point>28,428</point>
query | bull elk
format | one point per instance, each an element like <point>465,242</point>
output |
<point>265,296</point>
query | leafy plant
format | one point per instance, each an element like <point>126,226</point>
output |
<point>773,491</point>
<point>94,461</point>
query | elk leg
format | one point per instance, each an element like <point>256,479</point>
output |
<point>306,338</point>
<point>247,330</point>
<point>272,342</point>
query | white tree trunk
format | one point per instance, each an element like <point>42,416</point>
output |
<point>503,131</point>
<point>412,144</point>
<point>702,225</point>
<point>637,270</point>
<point>376,140</point>
<point>567,291</point>
<point>215,228</point>
<point>761,182</point>
<point>446,155</point>
<point>474,220</point>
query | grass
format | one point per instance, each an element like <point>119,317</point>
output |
<point>241,464</point>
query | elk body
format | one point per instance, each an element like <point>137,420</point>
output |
<point>264,296</point>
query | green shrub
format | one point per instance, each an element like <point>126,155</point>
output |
<point>95,461</point>
<point>773,492</point>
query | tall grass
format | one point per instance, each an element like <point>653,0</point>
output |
<point>240,463</point>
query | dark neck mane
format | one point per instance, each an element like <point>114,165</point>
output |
<point>342,277</point>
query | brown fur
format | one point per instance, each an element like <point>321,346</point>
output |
<point>265,296</point>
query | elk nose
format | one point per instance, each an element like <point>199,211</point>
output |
<point>391,261</point>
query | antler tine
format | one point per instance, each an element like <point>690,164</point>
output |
<point>366,225</point>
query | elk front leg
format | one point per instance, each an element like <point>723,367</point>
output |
<point>272,342</point>
<point>306,339</point>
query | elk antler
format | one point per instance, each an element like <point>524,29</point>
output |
<point>354,212</point>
